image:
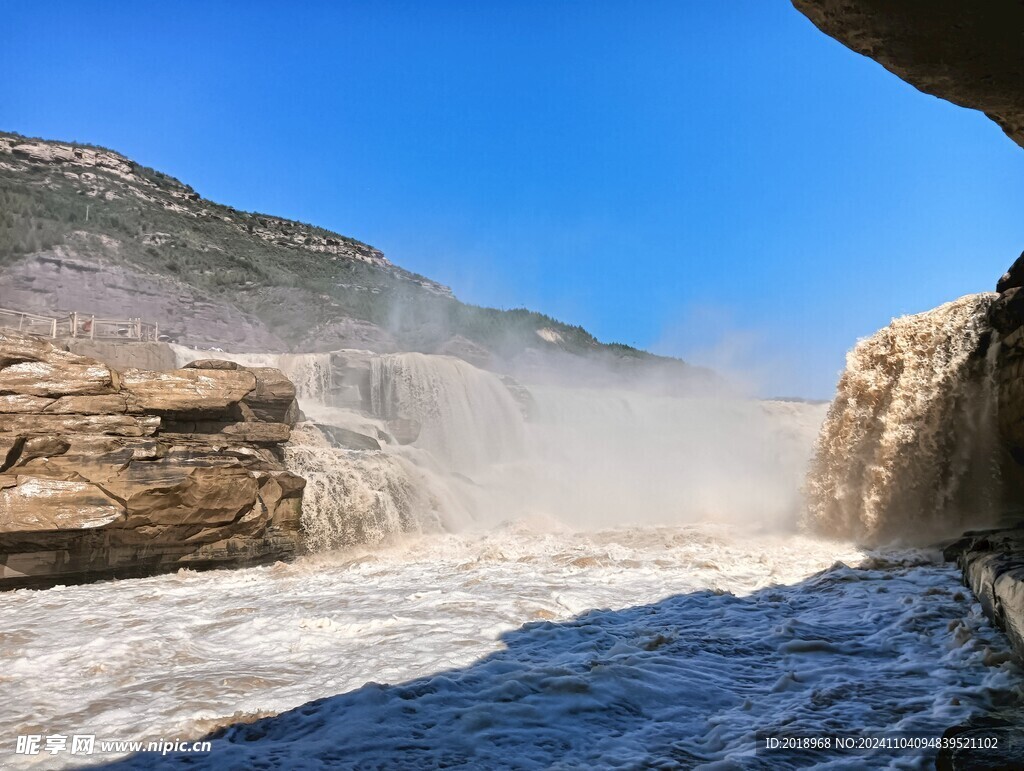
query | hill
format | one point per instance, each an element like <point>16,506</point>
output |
<point>84,228</point>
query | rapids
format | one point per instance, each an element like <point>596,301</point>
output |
<point>586,576</point>
<point>701,636</point>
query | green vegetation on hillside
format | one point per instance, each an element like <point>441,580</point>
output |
<point>165,228</point>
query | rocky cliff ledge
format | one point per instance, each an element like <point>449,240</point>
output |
<point>993,566</point>
<point>967,53</point>
<point>115,474</point>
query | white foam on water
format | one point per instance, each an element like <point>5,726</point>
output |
<point>614,582</point>
<point>706,636</point>
<point>365,497</point>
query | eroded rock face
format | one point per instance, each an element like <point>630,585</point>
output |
<point>967,53</point>
<point>110,474</point>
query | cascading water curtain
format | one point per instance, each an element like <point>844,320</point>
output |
<point>907,451</point>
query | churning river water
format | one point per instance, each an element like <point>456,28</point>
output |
<point>527,646</point>
<point>595,579</point>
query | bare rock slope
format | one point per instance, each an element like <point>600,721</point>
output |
<point>110,474</point>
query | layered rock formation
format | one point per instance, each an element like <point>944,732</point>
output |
<point>110,474</point>
<point>967,53</point>
<point>993,565</point>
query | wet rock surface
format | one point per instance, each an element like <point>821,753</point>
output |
<point>993,565</point>
<point>111,474</point>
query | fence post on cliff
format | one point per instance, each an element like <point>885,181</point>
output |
<point>74,324</point>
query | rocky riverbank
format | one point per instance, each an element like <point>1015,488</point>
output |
<point>993,566</point>
<point>107,473</point>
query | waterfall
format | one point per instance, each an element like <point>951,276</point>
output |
<point>467,417</point>
<point>351,497</point>
<point>908,449</point>
<point>457,450</point>
<point>310,372</point>
<point>357,497</point>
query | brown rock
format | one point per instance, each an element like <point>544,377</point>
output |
<point>967,53</point>
<point>93,458</point>
<point>116,425</point>
<point>41,447</point>
<point>23,403</point>
<point>10,446</point>
<point>259,433</point>
<point>213,364</point>
<point>103,475</point>
<point>281,493</point>
<point>112,404</point>
<point>187,391</point>
<point>52,504</point>
<point>16,347</point>
<point>210,431</point>
<point>273,399</point>
<point>347,439</point>
<point>161,495</point>
<point>37,378</point>
<point>30,366</point>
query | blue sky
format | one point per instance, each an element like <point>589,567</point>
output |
<point>717,181</point>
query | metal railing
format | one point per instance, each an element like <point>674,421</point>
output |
<point>79,325</point>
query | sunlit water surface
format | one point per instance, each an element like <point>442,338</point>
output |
<point>705,637</point>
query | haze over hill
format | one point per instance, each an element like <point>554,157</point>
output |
<point>83,228</point>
